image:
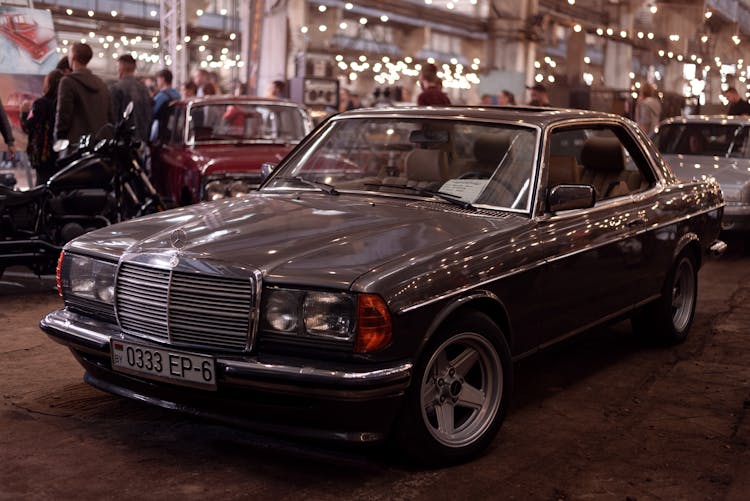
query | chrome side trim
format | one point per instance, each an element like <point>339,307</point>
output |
<point>530,266</point>
<point>255,367</point>
<point>679,219</point>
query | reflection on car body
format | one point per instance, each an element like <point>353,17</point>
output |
<point>345,300</point>
<point>717,147</point>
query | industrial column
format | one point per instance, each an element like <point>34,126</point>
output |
<point>173,28</point>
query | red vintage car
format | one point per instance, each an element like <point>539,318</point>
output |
<point>23,30</point>
<point>214,147</point>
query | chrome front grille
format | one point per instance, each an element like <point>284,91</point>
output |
<point>186,309</point>
<point>142,296</point>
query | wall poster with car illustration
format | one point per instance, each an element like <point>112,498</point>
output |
<point>28,51</point>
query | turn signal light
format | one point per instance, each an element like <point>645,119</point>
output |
<point>58,273</point>
<point>374,331</point>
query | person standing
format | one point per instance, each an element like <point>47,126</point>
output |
<point>189,89</point>
<point>200,79</point>
<point>83,102</point>
<point>538,95</point>
<point>506,98</point>
<point>737,105</point>
<point>7,132</point>
<point>39,124</point>
<point>128,89</point>
<point>166,95</point>
<point>647,109</point>
<point>276,89</point>
<point>432,88</point>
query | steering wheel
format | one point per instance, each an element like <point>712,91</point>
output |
<point>474,174</point>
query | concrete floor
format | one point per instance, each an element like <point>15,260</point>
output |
<point>602,417</point>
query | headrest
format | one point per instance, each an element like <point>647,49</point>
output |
<point>603,154</point>
<point>490,148</point>
<point>426,165</point>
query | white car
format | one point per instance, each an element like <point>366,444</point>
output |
<point>714,146</point>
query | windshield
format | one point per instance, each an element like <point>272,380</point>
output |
<point>246,122</point>
<point>480,164</point>
<point>703,139</point>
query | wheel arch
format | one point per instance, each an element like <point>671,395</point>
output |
<point>479,300</point>
<point>691,243</point>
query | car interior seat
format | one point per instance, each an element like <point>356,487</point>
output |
<point>489,150</point>
<point>603,162</point>
<point>562,170</point>
<point>426,168</point>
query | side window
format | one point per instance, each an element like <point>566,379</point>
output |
<point>177,125</point>
<point>604,157</point>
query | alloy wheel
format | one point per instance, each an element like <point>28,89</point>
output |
<point>461,389</point>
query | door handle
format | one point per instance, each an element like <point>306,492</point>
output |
<point>636,222</point>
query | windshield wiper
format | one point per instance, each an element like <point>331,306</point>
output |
<point>448,197</point>
<point>324,187</point>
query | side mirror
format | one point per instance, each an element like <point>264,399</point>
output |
<point>570,196</point>
<point>266,170</point>
<point>128,111</point>
<point>60,145</point>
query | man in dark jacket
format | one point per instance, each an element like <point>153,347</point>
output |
<point>737,105</point>
<point>128,89</point>
<point>83,100</point>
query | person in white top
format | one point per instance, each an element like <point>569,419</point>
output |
<point>647,109</point>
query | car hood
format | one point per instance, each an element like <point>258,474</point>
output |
<point>303,239</point>
<point>732,174</point>
<point>239,157</point>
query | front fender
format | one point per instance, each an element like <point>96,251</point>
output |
<point>480,300</point>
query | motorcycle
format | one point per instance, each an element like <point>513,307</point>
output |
<point>95,186</point>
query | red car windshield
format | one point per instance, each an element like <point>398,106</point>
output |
<point>246,122</point>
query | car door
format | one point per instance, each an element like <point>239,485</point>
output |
<point>593,255</point>
<point>655,208</point>
<point>169,155</point>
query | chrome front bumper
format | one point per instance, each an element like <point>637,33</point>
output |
<point>87,335</point>
<point>736,217</point>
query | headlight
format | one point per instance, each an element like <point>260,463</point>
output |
<point>88,278</point>
<point>224,187</point>
<point>238,188</point>
<point>215,190</point>
<point>282,311</point>
<point>309,313</point>
<point>337,316</point>
<point>329,314</point>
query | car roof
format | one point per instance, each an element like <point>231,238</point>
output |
<point>712,119</point>
<point>527,115</point>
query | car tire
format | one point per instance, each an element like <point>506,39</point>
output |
<point>459,393</point>
<point>670,317</point>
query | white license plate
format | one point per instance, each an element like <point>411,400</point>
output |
<point>167,365</point>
